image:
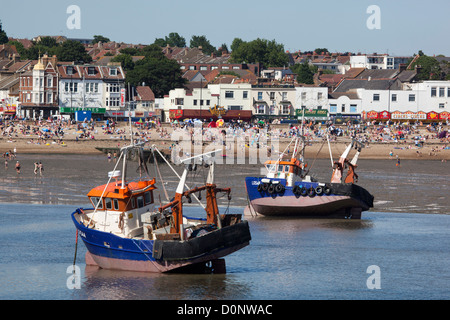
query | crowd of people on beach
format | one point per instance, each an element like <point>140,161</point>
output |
<point>60,131</point>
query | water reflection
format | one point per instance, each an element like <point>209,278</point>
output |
<point>100,284</point>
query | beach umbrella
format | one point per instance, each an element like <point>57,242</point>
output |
<point>45,130</point>
<point>220,122</point>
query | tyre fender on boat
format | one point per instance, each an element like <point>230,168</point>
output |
<point>327,190</point>
<point>279,188</point>
<point>271,189</point>
<point>319,190</point>
<point>304,192</point>
<point>265,186</point>
<point>260,187</point>
<point>296,190</point>
<point>311,192</point>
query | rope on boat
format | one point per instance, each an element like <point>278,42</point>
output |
<point>160,176</point>
<point>76,248</point>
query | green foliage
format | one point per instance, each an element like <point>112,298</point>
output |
<point>320,50</point>
<point>72,51</point>
<point>3,36</point>
<point>125,60</point>
<point>269,53</point>
<point>304,72</point>
<point>157,71</point>
<point>99,38</point>
<point>201,41</point>
<point>173,40</point>
<point>430,68</point>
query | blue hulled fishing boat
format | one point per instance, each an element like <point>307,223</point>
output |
<point>124,231</point>
<point>287,188</point>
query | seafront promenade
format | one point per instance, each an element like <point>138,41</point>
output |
<point>47,138</point>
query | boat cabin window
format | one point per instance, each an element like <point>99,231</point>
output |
<point>140,201</point>
<point>133,203</point>
<point>116,204</point>
<point>108,203</point>
<point>95,200</point>
<point>283,168</point>
<point>148,197</point>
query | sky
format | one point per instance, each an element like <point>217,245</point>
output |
<point>396,27</point>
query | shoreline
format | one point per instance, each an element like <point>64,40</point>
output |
<point>26,142</point>
<point>315,149</point>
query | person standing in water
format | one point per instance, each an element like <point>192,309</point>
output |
<point>41,168</point>
<point>18,167</point>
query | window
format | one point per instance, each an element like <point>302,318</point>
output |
<point>208,102</point>
<point>192,68</point>
<point>260,96</point>
<point>284,96</point>
<point>140,201</point>
<point>95,201</point>
<point>69,70</point>
<point>433,91</point>
<point>49,97</point>
<point>319,95</point>
<point>234,108</point>
<point>91,71</point>
<point>303,95</point>
<point>286,109</point>
<point>394,97</point>
<point>441,92</point>
<point>441,105</point>
<point>195,102</point>
<point>333,108</point>
<point>448,92</point>
<point>203,68</point>
<point>353,108</point>
<point>179,101</point>
<point>148,197</point>
<point>412,98</point>
<point>260,109</point>
<point>244,94</point>
<point>49,82</point>
<point>236,68</point>
<point>113,87</point>
<point>376,97</point>
<point>116,204</point>
<point>108,203</point>
<point>229,94</point>
<point>343,108</point>
<point>272,95</point>
<point>113,71</point>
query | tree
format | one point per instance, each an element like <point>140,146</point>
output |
<point>269,53</point>
<point>3,36</point>
<point>72,51</point>
<point>173,40</point>
<point>160,73</point>
<point>201,41</point>
<point>321,50</point>
<point>430,68</point>
<point>99,38</point>
<point>236,43</point>
<point>304,72</point>
<point>126,61</point>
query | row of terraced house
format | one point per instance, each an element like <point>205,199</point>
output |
<point>357,90</point>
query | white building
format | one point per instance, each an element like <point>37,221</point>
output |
<point>377,61</point>
<point>90,87</point>
<point>273,100</point>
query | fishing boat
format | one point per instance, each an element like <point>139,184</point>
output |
<point>125,230</point>
<point>287,188</point>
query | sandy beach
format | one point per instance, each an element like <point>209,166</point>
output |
<point>433,148</point>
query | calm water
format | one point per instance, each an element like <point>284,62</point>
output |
<point>406,236</point>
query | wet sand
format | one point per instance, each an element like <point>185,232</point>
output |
<point>432,150</point>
